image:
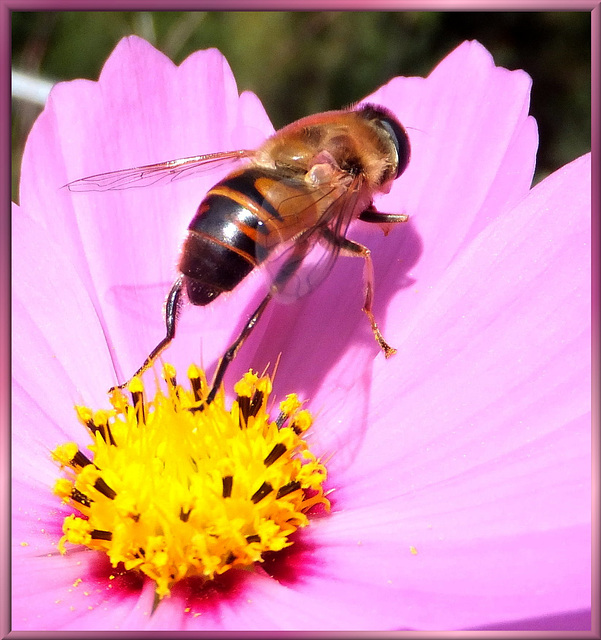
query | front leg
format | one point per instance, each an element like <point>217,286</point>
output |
<point>371,214</point>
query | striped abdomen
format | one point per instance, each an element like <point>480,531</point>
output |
<point>236,227</point>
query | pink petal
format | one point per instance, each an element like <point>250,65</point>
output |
<point>473,146</point>
<point>473,157</point>
<point>125,244</point>
<point>509,319</point>
<point>57,322</point>
<point>79,597</point>
<point>478,451</point>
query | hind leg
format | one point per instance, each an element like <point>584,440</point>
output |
<point>172,307</point>
<point>286,271</point>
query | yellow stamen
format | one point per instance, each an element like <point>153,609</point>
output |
<point>176,488</point>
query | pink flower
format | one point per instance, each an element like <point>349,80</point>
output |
<point>461,466</point>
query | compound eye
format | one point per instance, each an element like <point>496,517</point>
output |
<point>395,130</point>
<point>401,141</point>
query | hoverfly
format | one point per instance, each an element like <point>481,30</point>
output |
<point>301,188</point>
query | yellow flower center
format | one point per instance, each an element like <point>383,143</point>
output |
<point>177,488</point>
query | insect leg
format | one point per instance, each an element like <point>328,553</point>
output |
<point>230,354</point>
<point>371,214</point>
<point>355,250</point>
<point>172,306</point>
<point>286,271</point>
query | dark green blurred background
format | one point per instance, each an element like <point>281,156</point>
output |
<point>303,62</point>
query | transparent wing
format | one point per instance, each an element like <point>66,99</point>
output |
<point>318,246</point>
<point>151,174</point>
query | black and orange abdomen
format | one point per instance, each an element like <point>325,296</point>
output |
<point>234,230</point>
